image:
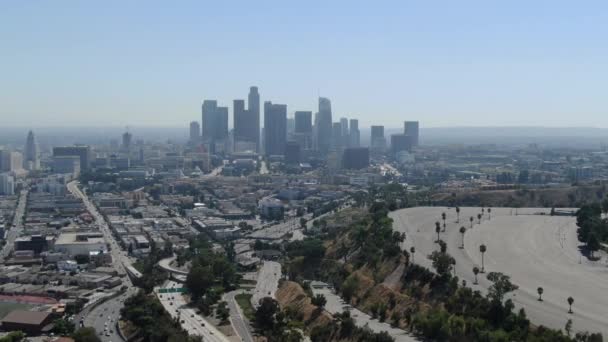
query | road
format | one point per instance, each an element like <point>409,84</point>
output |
<point>119,257</point>
<point>104,317</point>
<point>238,321</point>
<point>268,281</point>
<point>194,324</point>
<point>17,228</point>
<point>335,304</point>
<point>535,250</point>
<point>165,264</point>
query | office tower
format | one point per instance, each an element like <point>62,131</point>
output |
<point>67,164</point>
<point>10,161</point>
<point>411,128</point>
<point>291,126</point>
<point>215,125</point>
<point>127,140</point>
<point>83,152</point>
<point>292,152</point>
<point>354,134</point>
<point>247,122</point>
<point>355,158</point>
<point>275,128</point>
<point>377,140</point>
<point>7,184</point>
<point>323,126</point>
<point>400,143</point>
<point>344,123</point>
<point>32,160</point>
<point>195,133</point>
<point>303,129</point>
<point>336,136</point>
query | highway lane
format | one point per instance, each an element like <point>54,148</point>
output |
<point>237,319</point>
<point>17,227</point>
<point>535,250</point>
<point>268,282</point>
<point>104,317</point>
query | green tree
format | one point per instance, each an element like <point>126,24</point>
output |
<point>412,252</point>
<point>471,220</point>
<point>476,272</point>
<point>593,244</point>
<point>442,263</point>
<point>443,217</point>
<point>86,334</point>
<point>500,287</point>
<point>265,313</point>
<point>63,327</point>
<point>198,281</point>
<point>462,231</point>
<point>319,300</point>
<point>570,302</point>
<point>222,312</point>
<point>437,230</point>
<point>482,250</point>
<point>540,291</point>
<point>457,214</point>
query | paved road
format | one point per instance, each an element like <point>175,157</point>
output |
<point>17,228</point>
<point>165,264</point>
<point>335,304</point>
<point>194,324</point>
<point>535,250</point>
<point>268,281</point>
<point>237,319</point>
<point>104,317</point>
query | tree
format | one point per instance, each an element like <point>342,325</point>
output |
<point>479,218</point>
<point>605,206</point>
<point>593,244</point>
<point>462,231</point>
<point>500,287</point>
<point>471,219</point>
<point>265,314</point>
<point>540,291</point>
<point>437,230</point>
<point>443,216</point>
<point>476,272</point>
<point>85,335</point>
<point>489,213</point>
<point>570,302</point>
<point>482,250</point>
<point>457,214</point>
<point>412,251</point>
<point>63,327</point>
<point>303,223</point>
<point>319,300</point>
<point>568,327</point>
<point>199,280</point>
<point>442,263</point>
<point>222,311</point>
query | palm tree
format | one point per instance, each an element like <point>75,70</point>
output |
<point>482,250</point>
<point>462,231</point>
<point>482,210</point>
<point>489,213</point>
<point>540,293</point>
<point>479,218</point>
<point>570,302</point>
<point>471,219</point>
<point>413,251</point>
<point>457,214</point>
<point>437,230</point>
<point>475,272</point>
<point>453,262</point>
<point>443,218</point>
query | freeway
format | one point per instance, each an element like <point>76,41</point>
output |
<point>238,321</point>
<point>535,250</point>
<point>194,324</point>
<point>165,264</point>
<point>268,281</point>
<point>17,228</point>
<point>104,317</point>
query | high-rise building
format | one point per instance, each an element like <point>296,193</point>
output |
<point>215,124</point>
<point>275,128</point>
<point>354,134</point>
<point>66,164</point>
<point>411,128</point>
<point>401,142</point>
<point>7,184</point>
<point>355,158</point>
<point>336,136</point>
<point>32,158</point>
<point>247,121</point>
<point>83,152</point>
<point>10,161</point>
<point>195,133</point>
<point>292,152</point>
<point>344,123</point>
<point>291,126</point>
<point>377,140</point>
<point>323,126</point>
<point>127,140</point>
<point>303,129</point>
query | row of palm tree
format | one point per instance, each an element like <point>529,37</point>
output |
<point>570,300</point>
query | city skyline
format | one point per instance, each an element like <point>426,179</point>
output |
<point>380,63</point>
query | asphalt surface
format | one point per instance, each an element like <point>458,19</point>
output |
<point>268,282</point>
<point>165,264</point>
<point>335,304</point>
<point>194,324</point>
<point>105,316</point>
<point>534,250</point>
<point>238,321</point>
<point>17,228</point>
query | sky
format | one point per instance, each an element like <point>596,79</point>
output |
<point>444,63</point>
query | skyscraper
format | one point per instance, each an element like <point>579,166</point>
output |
<point>247,121</point>
<point>411,128</point>
<point>354,134</point>
<point>127,139</point>
<point>32,161</point>
<point>215,124</point>
<point>195,132</point>
<point>323,126</point>
<point>275,128</point>
<point>83,152</point>
<point>401,142</point>
<point>303,129</point>
<point>336,136</point>
<point>377,140</point>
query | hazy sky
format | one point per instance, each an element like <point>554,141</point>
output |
<point>442,62</point>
